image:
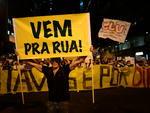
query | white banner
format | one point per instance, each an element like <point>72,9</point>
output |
<point>116,30</point>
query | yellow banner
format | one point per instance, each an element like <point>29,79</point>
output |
<point>79,79</point>
<point>53,36</point>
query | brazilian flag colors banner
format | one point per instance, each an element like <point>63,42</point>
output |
<point>53,36</point>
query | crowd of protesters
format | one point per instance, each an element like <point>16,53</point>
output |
<point>10,61</point>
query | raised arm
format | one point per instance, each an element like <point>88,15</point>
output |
<point>79,60</point>
<point>76,62</point>
<point>36,65</point>
<point>32,63</point>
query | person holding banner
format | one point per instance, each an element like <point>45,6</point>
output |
<point>124,72</point>
<point>58,83</point>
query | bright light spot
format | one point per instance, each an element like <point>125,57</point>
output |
<point>138,53</point>
<point>135,23</point>
<point>146,56</point>
<point>50,8</point>
<point>9,21</point>
<point>81,3</point>
<point>8,32</point>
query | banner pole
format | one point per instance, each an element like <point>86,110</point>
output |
<point>93,95</point>
<point>19,72</point>
<point>0,77</point>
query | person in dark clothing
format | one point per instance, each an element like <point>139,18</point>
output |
<point>58,83</point>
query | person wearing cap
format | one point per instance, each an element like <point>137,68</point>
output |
<point>58,83</point>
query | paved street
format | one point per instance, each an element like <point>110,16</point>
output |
<point>115,100</point>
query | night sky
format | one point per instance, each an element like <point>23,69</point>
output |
<point>135,12</point>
